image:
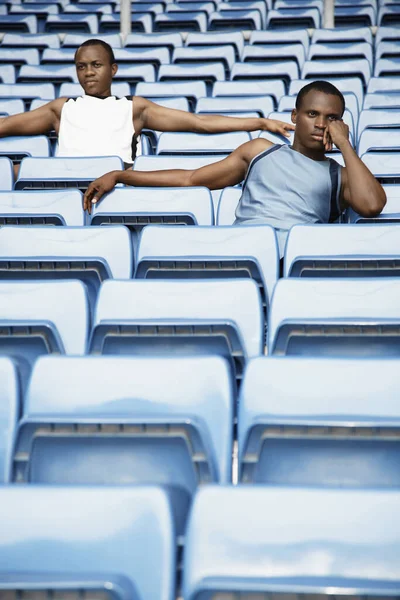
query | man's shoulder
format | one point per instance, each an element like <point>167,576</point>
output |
<point>259,146</point>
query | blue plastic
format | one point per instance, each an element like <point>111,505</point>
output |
<point>60,207</point>
<point>6,174</point>
<point>9,414</point>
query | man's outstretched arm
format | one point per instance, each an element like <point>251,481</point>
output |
<point>230,171</point>
<point>360,189</point>
<point>35,122</point>
<point>148,115</point>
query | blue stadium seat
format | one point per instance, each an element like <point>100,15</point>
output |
<point>384,85</point>
<point>342,251</point>
<point>286,70</point>
<point>208,253</point>
<point>227,204</point>
<point>292,18</point>
<point>6,174</point>
<point>335,317</point>
<point>345,85</point>
<point>73,90</point>
<point>140,22</point>
<point>254,87</point>
<point>59,56</point>
<point>380,140</point>
<point>60,207</point>
<point>355,16</point>
<point>18,23</point>
<point>73,40</point>
<point>297,429</point>
<point>53,173</point>
<point>17,148</point>
<point>89,8</point>
<point>389,49</point>
<point>336,50</point>
<point>7,74</point>
<point>9,414</point>
<point>27,91</point>
<point>175,206</point>
<point>194,54</point>
<point>176,102</point>
<point>314,69</point>
<point>132,74</point>
<point>190,7</point>
<point>164,421</point>
<point>274,52</point>
<point>177,22</point>
<point>235,545</point>
<point>384,165</point>
<point>343,34</point>
<point>222,38</point>
<point>155,56</point>
<point>378,119</point>
<point>386,33</point>
<point>382,101</point>
<point>38,8</point>
<point>55,74</point>
<point>387,67</point>
<point>39,41</point>
<point>207,72</point>
<point>100,532</point>
<point>192,90</point>
<point>90,254</point>
<point>280,38</point>
<point>388,15</point>
<point>11,106</point>
<point>263,105</point>
<point>168,40</point>
<point>196,143</point>
<point>194,318</point>
<point>42,318</point>
<point>72,23</point>
<point>242,8</point>
<point>248,19</point>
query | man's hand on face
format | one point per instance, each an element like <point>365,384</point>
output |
<point>275,126</point>
<point>98,188</point>
<point>337,132</point>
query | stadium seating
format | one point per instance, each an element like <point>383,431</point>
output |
<point>100,534</point>
<point>237,544</point>
<point>124,428</point>
<point>9,414</point>
<point>225,104</point>
<point>11,106</point>
<point>227,204</point>
<point>342,251</point>
<point>384,165</point>
<point>208,253</point>
<point>89,254</point>
<point>6,174</point>
<point>179,318</point>
<point>60,207</point>
<point>335,317</point>
<point>294,429</point>
<point>195,143</point>
<point>17,148</point>
<point>379,140</point>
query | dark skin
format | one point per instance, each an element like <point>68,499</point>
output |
<point>318,123</point>
<point>95,74</point>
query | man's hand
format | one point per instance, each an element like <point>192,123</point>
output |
<point>336,133</point>
<point>275,126</point>
<point>98,188</point>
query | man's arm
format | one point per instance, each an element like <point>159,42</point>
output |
<point>359,188</point>
<point>230,171</point>
<point>148,115</point>
<point>35,122</point>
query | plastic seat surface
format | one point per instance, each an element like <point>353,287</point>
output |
<point>246,521</point>
<point>292,438</point>
<point>388,49</point>
<point>318,68</point>
<point>58,56</point>
<point>386,33</point>
<point>378,119</point>
<point>60,207</point>
<point>44,73</point>
<point>9,414</point>
<point>156,56</point>
<point>342,251</point>
<point>286,70</point>
<point>213,71</point>
<point>73,40</point>
<point>72,22</point>
<point>181,252</point>
<point>190,54</point>
<point>253,87</point>
<point>135,73</point>
<point>100,532</point>
<point>192,89</point>
<point>294,17</point>
<point>6,174</point>
<point>321,51</point>
<point>384,85</point>
<point>190,21</point>
<point>138,40</point>
<point>384,140</point>
<point>361,15</point>
<point>388,15</point>
<point>18,23</point>
<point>277,52</point>
<point>232,38</point>
<point>225,104</point>
<point>342,34</point>
<point>19,147</point>
<point>195,143</point>
<point>27,90</point>
<point>17,40</point>
<point>141,22</point>
<point>384,165</point>
<point>387,67</point>
<point>11,106</point>
<point>335,317</point>
<point>7,74</point>
<point>272,37</point>
<point>227,205</point>
<point>235,19</point>
<point>381,100</point>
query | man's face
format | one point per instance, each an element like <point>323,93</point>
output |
<point>94,70</point>
<point>316,111</point>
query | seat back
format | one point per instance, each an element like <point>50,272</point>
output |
<point>6,174</point>
<point>100,533</point>
<point>227,205</point>
<point>60,207</point>
<point>302,424</point>
<point>17,148</point>
<point>194,143</point>
<point>9,415</point>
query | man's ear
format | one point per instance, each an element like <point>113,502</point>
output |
<point>294,115</point>
<point>114,69</point>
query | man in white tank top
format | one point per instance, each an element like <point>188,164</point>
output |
<point>99,124</point>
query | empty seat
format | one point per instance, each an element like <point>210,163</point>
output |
<point>263,105</point>
<point>39,41</point>
<point>232,38</point>
<point>73,40</point>
<point>227,204</point>
<point>295,428</point>
<point>9,414</point>
<point>134,73</point>
<point>387,67</point>
<point>19,23</point>
<point>207,72</point>
<point>6,174</point>
<point>7,74</point>
<point>165,421</point>
<point>17,148</point>
<point>141,22</point>
<point>42,318</point>
<point>53,173</point>
<point>168,40</point>
<point>55,74</point>
<point>335,317</point>
<point>11,106</point>
<point>72,23</point>
<point>195,317</point>
<point>384,165</point>
<point>253,87</point>
<point>336,50</point>
<point>27,91</point>
<point>196,143</point>
<point>313,69</point>
<point>386,33</point>
<point>60,207</point>
<point>388,49</point>
<point>223,54</point>
<point>286,70</point>
<point>389,15</point>
<point>378,119</point>
<point>210,252</point>
<point>155,56</point>
<point>280,38</point>
<point>192,90</point>
<point>18,57</point>
<point>362,16</point>
<point>342,251</point>
<point>342,34</point>
<point>91,254</point>
<point>379,140</point>
<point>296,17</point>
<point>384,85</point>
<point>100,534</point>
<point>248,19</point>
<point>188,21</point>
<point>382,101</point>
<point>274,52</point>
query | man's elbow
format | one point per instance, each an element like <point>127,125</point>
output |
<point>373,207</point>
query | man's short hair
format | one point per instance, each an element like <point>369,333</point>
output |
<point>319,86</point>
<point>96,42</point>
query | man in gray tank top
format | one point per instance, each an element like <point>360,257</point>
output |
<point>283,185</point>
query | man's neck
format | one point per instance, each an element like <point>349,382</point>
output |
<point>101,96</point>
<point>318,155</point>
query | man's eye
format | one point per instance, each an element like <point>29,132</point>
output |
<point>97,65</point>
<point>311,113</point>
<point>332,118</point>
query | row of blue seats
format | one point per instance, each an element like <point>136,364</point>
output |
<point>119,542</point>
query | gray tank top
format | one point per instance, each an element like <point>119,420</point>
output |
<point>284,188</point>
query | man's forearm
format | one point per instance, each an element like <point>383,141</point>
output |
<point>169,178</point>
<point>366,193</point>
<point>222,124</point>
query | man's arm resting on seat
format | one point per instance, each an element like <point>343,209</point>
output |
<point>230,171</point>
<point>360,189</point>
<point>35,122</point>
<point>148,115</point>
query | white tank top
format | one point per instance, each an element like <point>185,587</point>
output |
<point>91,126</point>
